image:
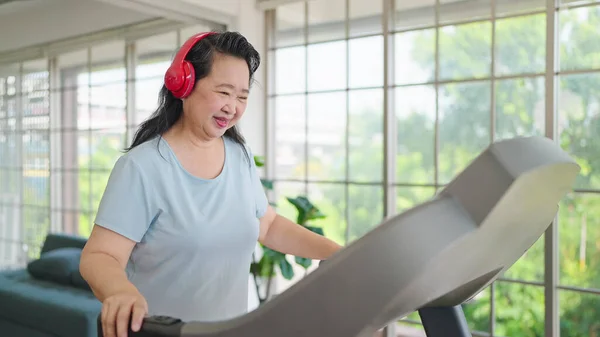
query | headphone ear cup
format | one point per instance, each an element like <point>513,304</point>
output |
<point>189,79</point>
<point>174,78</point>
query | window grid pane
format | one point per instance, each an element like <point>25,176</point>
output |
<point>458,81</point>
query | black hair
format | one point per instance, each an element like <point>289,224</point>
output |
<point>201,56</point>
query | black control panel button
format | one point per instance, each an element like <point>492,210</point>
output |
<point>162,320</point>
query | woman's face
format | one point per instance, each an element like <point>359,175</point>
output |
<point>219,100</point>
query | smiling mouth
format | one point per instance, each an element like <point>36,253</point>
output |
<point>221,122</point>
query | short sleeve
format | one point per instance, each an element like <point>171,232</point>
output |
<point>259,191</point>
<point>124,207</point>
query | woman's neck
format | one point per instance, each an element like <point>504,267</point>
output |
<point>186,136</point>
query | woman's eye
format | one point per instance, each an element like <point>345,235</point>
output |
<point>224,93</point>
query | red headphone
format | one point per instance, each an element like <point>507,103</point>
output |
<point>180,77</point>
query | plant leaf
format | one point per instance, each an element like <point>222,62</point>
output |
<point>268,184</point>
<point>304,262</point>
<point>286,269</point>
<point>306,210</point>
<point>317,230</point>
<point>259,161</point>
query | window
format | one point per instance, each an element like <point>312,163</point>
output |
<point>459,76</point>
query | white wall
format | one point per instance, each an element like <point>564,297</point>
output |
<point>56,20</point>
<point>252,26</point>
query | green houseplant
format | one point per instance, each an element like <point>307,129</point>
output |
<point>266,268</point>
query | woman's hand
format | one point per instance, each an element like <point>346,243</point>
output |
<point>119,310</point>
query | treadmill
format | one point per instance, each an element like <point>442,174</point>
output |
<point>431,258</point>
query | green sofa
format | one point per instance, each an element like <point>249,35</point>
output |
<point>49,298</point>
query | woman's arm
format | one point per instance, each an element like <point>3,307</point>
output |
<point>102,265</point>
<point>103,262</point>
<point>285,236</point>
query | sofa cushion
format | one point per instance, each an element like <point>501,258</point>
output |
<point>56,240</point>
<point>53,308</point>
<point>56,265</point>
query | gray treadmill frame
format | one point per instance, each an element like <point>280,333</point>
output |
<point>431,258</point>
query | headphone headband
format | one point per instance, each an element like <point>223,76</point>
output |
<point>188,45</point>
<point>180,76</point>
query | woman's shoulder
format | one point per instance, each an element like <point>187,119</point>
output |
<point>240,152</point>
<point>144,155</point>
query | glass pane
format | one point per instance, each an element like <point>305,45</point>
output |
<point>74,80</point>
<point>289,24</point>
<point>578,314</point>
<point>409,197</point>
<point>453,11</point>
<point>327,66</point>
<point>477,311</point>
<point>9,184</point>
<point>365,139</point>
<point>108,105</point>
<point>35,86</point>
<point>35,122</point>
<point>8,125</point>
<point>145,88</point>
<point>365,209</point>
<point>107,146</point>
<point>74,108</point>
<point>365,17</point>
<point>3,102</point>
<point>36,223</point>
<point>36,168</point>
<point>579,124</point>
<point>520,107</point>
<point>13,253</point>
<point>326,20</point>
<point>327,136</point>
<point>8,150</point>
<point>366,62</point>
<point>415,113</point>
<point>153,56</point>
<point>73,70</point>
<point>578,38</point>
<point>290,70</point>
<point>8,78</point>
<point>409,329</point>
<point>577,28</point>
<point>290,136</point>
<point>414,14</point>
<point>284,190</point>
<point>85,223</point>
<point>519,310</point>
<point>465,51</point>
<point>108,63</point>
<point>511,7</point>
<point>530,266</point>
<point>81,183</point>
<point>464,126</point>
<point>70,221</point>
<point>94,193</point>
<point>75,149</point>
<point>521,45</point>
<point>330,199</point>
<point>36,187</point>
<point>579,244</point>
<point>414,54</point>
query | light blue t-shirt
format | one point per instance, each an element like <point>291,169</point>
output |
<point>195,236</point>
